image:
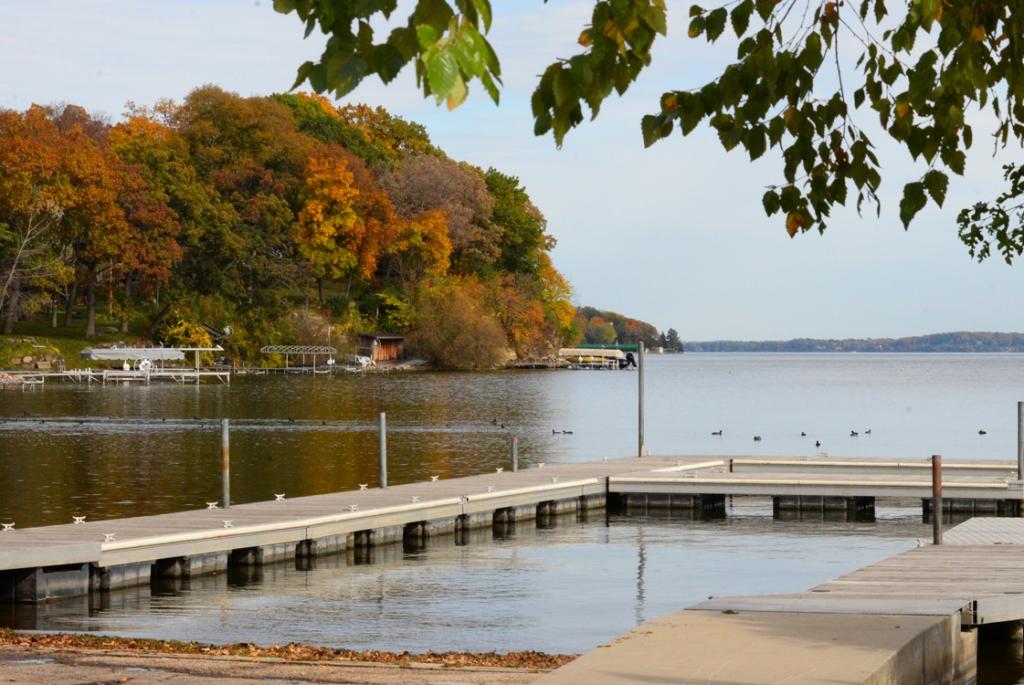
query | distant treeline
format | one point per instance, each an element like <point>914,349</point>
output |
<point>603,327</point>
<point>961,341</point>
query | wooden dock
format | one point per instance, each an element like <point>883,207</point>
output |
<point>37,564</point>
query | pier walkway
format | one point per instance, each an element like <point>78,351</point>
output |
<point>38,564</point>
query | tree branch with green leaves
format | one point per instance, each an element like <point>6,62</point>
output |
<point>922,71</point>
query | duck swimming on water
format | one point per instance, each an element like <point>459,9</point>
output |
<point>717,432</point>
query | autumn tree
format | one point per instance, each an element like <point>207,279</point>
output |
<point>805,78</point>
<point>423,248</point>
<point>251,152</point>
<point>454,329</point>
<point>177,259</point>
<point>425,183</point>
<point>34,193</point>
<point>599,331</point>
<point>327,221</point>
<point>94,224</point>
<point>152,175</point>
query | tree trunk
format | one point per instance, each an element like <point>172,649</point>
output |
<point>11,313</point>
<point>70,305</point>
<point>320,293</point>
<point>158,319</point>
<point>90,303</point>
<point>127,304</point>
<point>53,312</point>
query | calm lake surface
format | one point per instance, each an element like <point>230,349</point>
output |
<point>122,451</point>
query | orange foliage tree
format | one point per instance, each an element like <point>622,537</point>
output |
<point>94,224</point>
<point>33,195</point>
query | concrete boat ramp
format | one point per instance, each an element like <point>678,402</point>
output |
<point>915,617</point>
<point>912,618</point>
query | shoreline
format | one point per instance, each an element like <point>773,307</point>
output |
<point>29,657</point>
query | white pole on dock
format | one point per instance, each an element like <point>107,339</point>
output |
<point>936,499</point>
<point>514,448</point>
<point>225,463</point>
<point>640,392</point>
<point>1020,441</point>
<point>383,430</point>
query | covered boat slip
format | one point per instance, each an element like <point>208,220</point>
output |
<point>585,358</point>
<point>116,354</point>
<point>145,364</point>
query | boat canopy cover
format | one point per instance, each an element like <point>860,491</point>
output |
<point>133,353</point>
<point>583,352</point>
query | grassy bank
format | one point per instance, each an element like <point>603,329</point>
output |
<point>35,338</point>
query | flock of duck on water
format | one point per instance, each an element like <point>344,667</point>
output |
<point>817,443</point>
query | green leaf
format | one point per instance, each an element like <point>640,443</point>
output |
<point>442,72</point>
<point>483,8</point>
<point>427,35</point>
<point>755,142</point>
<point>696,26</point>
<point>914,200</point>
<point>563,86</point>
<point>650,127</point>
<point>936,182</point>
<point>740,17</point>
<point>790,198</point>
<point>302,74</point>
<point>771,202</point>
<point>654,17</point>
<point>716,23</point>
<point>954,159</point>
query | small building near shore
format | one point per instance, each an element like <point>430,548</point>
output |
<point>382,347</point>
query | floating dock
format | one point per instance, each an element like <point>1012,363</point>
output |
<point>53,562</point>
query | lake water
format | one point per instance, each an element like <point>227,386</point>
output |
<point>122,451</point>
<point>164,453</point>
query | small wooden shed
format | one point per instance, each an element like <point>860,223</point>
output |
<point>381,347</point>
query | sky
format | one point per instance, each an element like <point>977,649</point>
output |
<point>674,234</point>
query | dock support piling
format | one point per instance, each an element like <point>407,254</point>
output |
<point>1020,440</point>
<point>225,463</point>
<point>383,430</point>
<point>640,398</point>
<point>514,448</point>
<point>936,499</point>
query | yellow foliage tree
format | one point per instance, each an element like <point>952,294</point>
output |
<point>328,217</point>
